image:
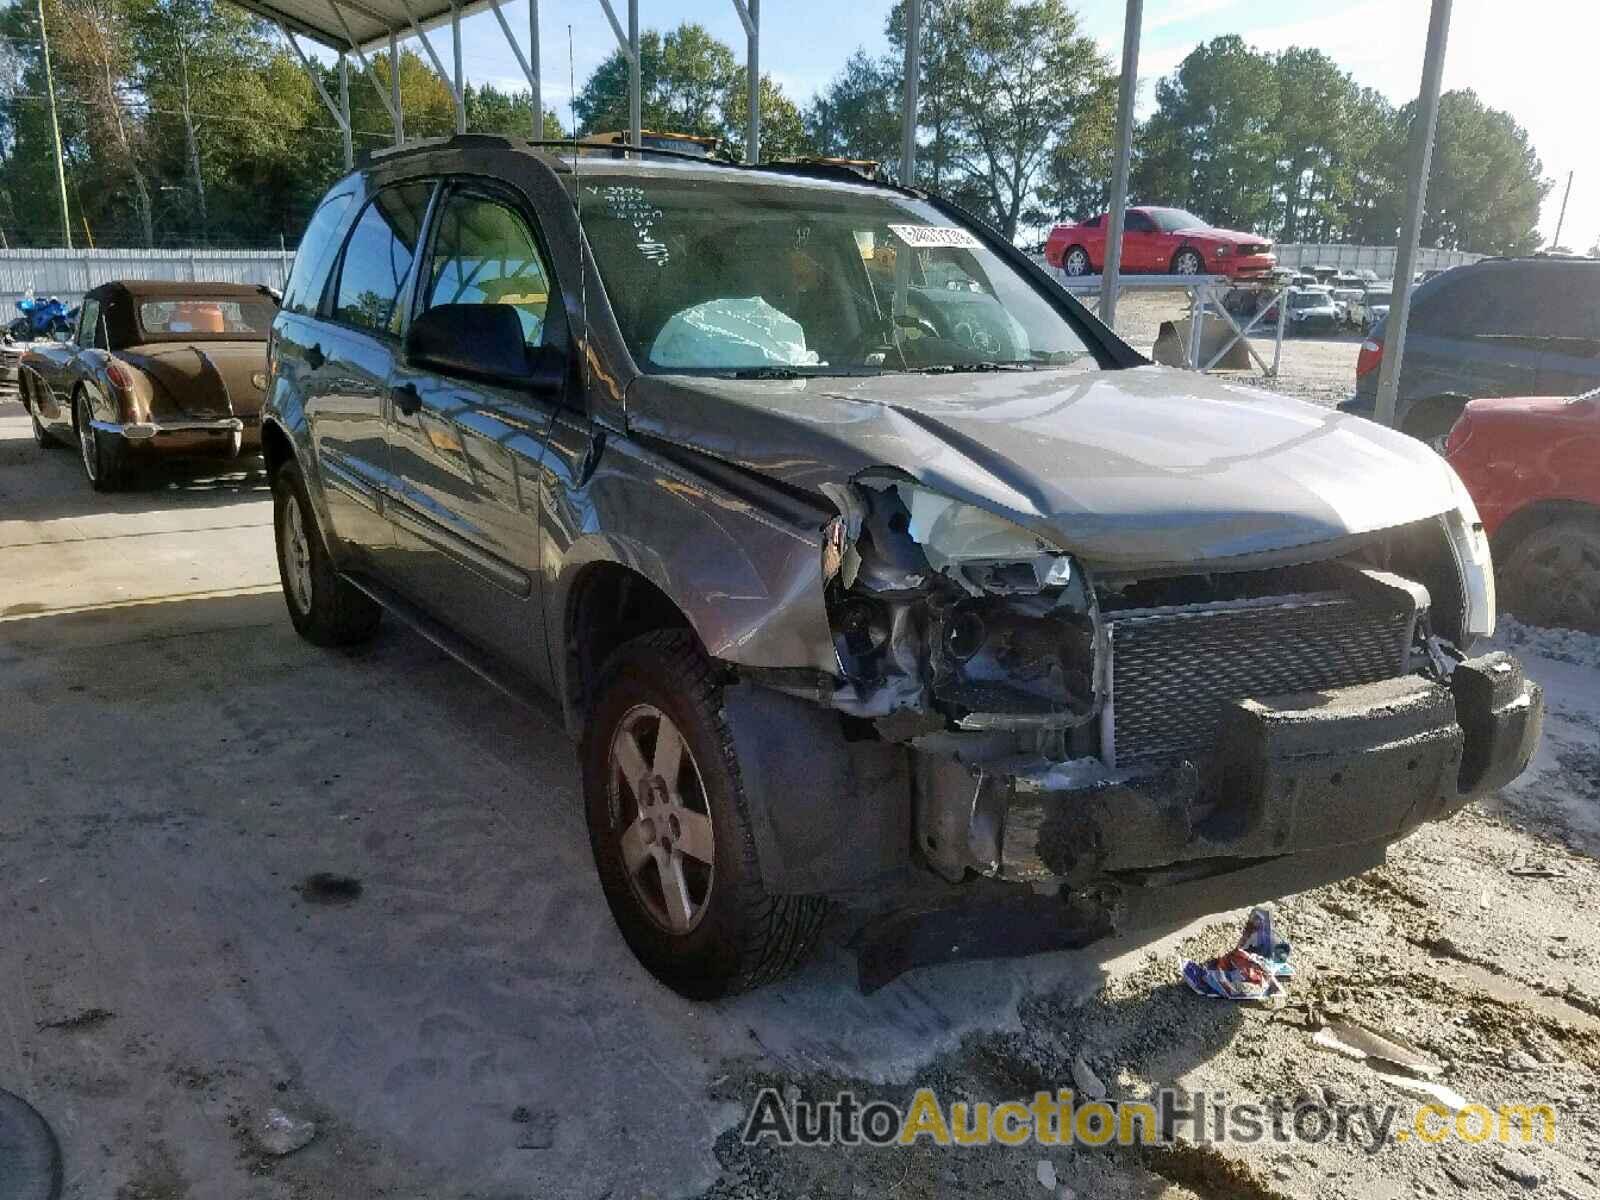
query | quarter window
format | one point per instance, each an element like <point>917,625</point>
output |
<point>309,275</point>
<point>484,253</point>
<point>378,258</point>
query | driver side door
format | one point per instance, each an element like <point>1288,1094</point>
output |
<point>1139,239</point>
<point>465,452</point>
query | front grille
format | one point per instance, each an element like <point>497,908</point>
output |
<point>1173,669</point>
<point>1255,248</point>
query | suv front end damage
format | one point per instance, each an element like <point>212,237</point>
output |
<point>1137,749</point>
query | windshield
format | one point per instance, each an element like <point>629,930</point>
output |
<point>1377,297</point>
<point>244,319</point>
<point>1170,220</point>
<point>1308,300</point>
<point>738,277</point>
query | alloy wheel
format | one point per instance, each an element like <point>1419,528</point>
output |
<point>296,555</point>
<point>89,451</point>
<point>1187,263</point>
<point>1077,262</point>
<point>662,818</point>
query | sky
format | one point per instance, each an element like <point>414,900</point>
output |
<point>1534,59</point>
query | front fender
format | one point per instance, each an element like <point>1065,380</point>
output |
<point>744,567</point>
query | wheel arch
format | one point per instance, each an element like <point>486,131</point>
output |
<point>1531,518</point>
<point>607,603</point>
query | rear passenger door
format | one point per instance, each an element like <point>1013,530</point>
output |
<point>1468,337</point>
<point>1567,312</point>
<point>466,452</point>
<point>354,352</point>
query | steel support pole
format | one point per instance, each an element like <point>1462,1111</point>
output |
<point>538,71</point>
<point>396,108</point>
<point>635,92</point>
<point>459,84</point>
<point>55,132</point>
<point>1127,93</point>
<point>344,111</point>
<point>1421,160</point>
<point>529,71</point>
<point>908,118</point>
<point>750,15</point>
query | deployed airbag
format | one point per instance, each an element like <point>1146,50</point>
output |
<point>732,333</point>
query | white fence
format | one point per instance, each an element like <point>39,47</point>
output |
<point>1373,258</point>
<point>70,273</point>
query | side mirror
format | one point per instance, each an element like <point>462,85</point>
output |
<point>482,341</point>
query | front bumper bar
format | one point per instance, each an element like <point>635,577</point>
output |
<point>1290,774</point>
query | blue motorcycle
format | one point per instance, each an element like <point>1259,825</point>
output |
<point>40,318</point>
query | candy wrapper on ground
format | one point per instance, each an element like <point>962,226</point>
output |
<point>1258,968</point>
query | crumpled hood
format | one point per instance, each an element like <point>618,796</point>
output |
<point>1231,237</point>
<point>1129,469</point>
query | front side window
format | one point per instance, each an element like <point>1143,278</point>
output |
<point>1137,222</point>
<point>89,326</point>
<point>484,253</point>
<point>728,275</point>
<point>309,275</point>
<point>378,258</point>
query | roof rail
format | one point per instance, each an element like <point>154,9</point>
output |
<point>495,141</point>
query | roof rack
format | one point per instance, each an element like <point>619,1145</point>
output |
<point>495,141</point>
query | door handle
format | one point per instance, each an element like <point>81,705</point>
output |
<point>406,398</point>
<point>315,357</point>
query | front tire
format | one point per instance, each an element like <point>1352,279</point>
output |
<point>669,825</point>
<point>1188,262</point>
<point>1075,262</point>
<point>41,436</point>
<point>325,609</point>
<point>1552,577</point>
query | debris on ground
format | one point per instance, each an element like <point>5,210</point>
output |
<point>1345,1036</point>
<point>1256,969</point>
<point>280,1133</point>
<point>1086,1081</point>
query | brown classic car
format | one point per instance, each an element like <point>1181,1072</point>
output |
<point>154,370</point>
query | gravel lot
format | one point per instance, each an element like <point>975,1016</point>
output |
<point>241,874</point>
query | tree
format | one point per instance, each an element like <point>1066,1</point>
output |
<point>96,54</point>
<point>858,114</point>
<point>1486,185</point>
<point>783,131</point>
<point>684,77</point>
<point>1211,144</point>
<point>1078,180</point>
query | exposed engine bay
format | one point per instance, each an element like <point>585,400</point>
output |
<point>953,624</point>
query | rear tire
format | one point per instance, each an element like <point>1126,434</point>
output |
<point>105,460</point>
<point>720,932</point>
<point>1552,577</point>
<point>324,608</point>
<point>1076,262</point>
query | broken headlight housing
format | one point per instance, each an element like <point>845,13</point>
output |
<point>937,601</point>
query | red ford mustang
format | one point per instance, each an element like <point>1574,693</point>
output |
<point>1164,240</point>
<point>1533,468</point>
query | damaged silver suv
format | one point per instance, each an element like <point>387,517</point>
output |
<point>872,573</point>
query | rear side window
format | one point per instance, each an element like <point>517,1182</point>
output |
<point>378,258</point>
<point>311,261</point>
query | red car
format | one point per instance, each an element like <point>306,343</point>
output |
<point>1163,240</point>
<point>1532,465</point>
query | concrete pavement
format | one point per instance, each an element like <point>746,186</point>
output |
<point>174,764</point>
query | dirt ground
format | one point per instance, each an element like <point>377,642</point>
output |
<point>238,874</point>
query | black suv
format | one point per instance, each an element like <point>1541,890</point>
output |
<point>1499,327</point>
<point>869,569</point>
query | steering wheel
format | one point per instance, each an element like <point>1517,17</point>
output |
<point>875,339</point>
